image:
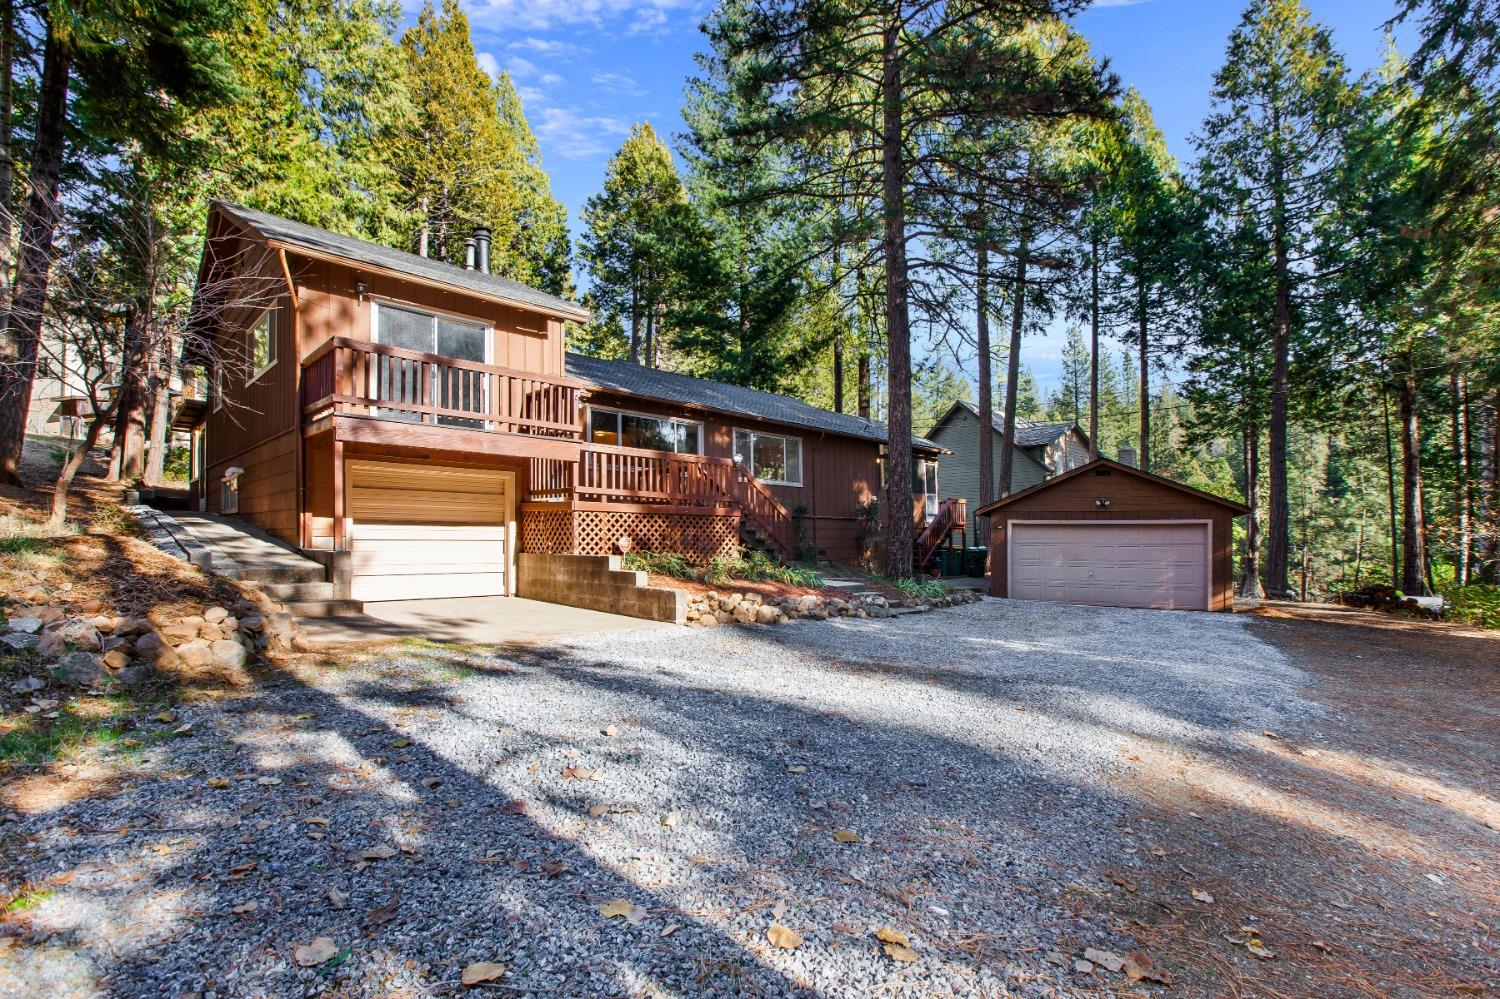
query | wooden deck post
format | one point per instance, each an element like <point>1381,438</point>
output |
<point>340,539</point>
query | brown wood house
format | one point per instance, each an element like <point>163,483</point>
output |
<point>1109,534</point>
<point>427,420</point>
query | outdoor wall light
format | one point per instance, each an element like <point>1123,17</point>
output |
<point>1102,502</point>
<point>359,289</point>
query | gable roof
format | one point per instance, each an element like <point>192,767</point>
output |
<point>1089,466</point>
<point>721,397</point>
<point>1029,433</point>
<point>312,241</point>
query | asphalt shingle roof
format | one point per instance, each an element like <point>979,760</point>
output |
<point>669,386</point>
<point>298,234</point>
<point>1029,433</point>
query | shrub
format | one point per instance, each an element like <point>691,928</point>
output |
<point>721,569</point>
<point>1477,603</point>
<point>930,589</point>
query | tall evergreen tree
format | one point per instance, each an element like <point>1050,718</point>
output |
<point>1269,148</point>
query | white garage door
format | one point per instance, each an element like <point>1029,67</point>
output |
<point>427,531</point>
<point>1111,564</point>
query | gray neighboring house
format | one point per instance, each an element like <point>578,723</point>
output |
<point>1042,451</point>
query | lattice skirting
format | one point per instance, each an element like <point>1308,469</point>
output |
<point>567,531</point>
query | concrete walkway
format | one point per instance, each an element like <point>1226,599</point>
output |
<point>242,551</point>
<point>469,620</point>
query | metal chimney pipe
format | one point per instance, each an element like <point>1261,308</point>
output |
<point>482,240</point>
<point>1127,455</point>
<point>468,253</point>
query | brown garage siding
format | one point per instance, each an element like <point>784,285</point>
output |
<point>1131,497</point>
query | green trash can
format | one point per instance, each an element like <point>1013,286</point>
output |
<point>974,560</point>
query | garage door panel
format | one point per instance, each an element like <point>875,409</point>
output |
<point>427,531</point>
<point>1114,564</point>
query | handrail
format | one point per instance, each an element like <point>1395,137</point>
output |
<point>938,530</point>
<point>370,379</point>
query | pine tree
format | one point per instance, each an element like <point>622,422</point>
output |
<point>1270,145</point>
<point>1073,392</point>
<point>467,159</point>
<point>636,230</point>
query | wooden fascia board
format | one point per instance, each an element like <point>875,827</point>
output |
<point>1239,509</point>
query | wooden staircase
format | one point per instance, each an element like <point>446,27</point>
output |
<point>952,515</point>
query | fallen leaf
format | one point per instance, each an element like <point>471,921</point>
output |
<point>1124,882</point>
<point>1202,896</point>
<point>1105,959</point>
<point>898,953</point>
<point>552,867</point>
<point>311,955</point>
<point>244,868</point>
<point>670,928</point>
<point>268,781</point>
<point>779,909</point>
<point>847,929</point>
<point>619,907</point>
<point>513,808</point>
<point>165,717</point>
<point>783,937</point>
<point>1258,949</point>
<point>483,971</point>
<point>315,820</point>
<point>598,810</point>
<point>846,836</point>
<point>338,899</point>
<point>1138,968</point>
<point>887,935</point>
<point>671,819</point>
<point>431,782</point>
<point>240,910</point>
<point>401,743</point>
<point>381,852</point>
<point>796,768</point>
<point>381,915</point>
<point>218,783</point>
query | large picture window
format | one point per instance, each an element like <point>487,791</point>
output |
<point>431,333</point>
<point>770,457</point>
<point>654,433</point>
<point>261,348</point>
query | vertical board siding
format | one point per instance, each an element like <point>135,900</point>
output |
<point>268,488</point>
<point>958,473</point>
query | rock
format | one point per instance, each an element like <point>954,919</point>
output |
<point>195,654</point>
<point>215,614</point>
<point>210,632</point>
<point>229,625</point>
<point>228,653</point>
<point>708,621</point>
<point>81,668</point>
<point>253,622</point>
<point>754,598</point>
<point>744,613</point>
<point>138,674</point>
<point>24,625</point>
<point>115,660</point>
<point>1083,967</point>
<point>281,630</point>
<point>51,645</point>
<point>19,640</point>
<point>113,642</point>
<point>768,614</point>
<point>727,604</point>
<point>104,623</point>
<point>180,632</point>
<point>808,603</point>
<point>148,645</point>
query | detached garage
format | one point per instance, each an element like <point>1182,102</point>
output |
<point>1112,535</point>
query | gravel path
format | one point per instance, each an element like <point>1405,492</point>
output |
<point>698,774</point>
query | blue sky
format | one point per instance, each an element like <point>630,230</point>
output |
<point>588,69</point>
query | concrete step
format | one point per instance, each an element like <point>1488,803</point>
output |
<point>325,608</point>
<point>283,574</point>
<point>296,591</point>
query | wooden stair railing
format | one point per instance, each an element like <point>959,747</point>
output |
<point>765,511</point>
<point>950,515</point>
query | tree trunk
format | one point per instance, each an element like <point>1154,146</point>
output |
<point>1462,498</point>
<point>1013,362</point>
<point>1250,580</point>
<point>23,326</point>
<point>1093,342</point>
<point>899,513</point>
<point>161,414</point>
<point>1413,523</point>
<point>986,386</point>
<point>7,150</point>
<point>635,322</point>
<point>1144,462</point>
<point>1491,568</point>
<point>865,389</point>
<point>58,517</point>
<point>838,339</point>
<point>127,462</point>
<point>1390,487</point>
<point>1276,555</point>
<point>1359,551</point>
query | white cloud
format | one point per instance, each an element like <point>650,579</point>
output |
<point>575,135</point>
<point>488,63</point>
<point>544,46</point>
<point>540,15</point>
<point>552,80</point>
<point>521,69</point>
<point>618,83</point>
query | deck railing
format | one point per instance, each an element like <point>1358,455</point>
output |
<point>952,514</point>
<point>370,379</point>
<point>607,474</point>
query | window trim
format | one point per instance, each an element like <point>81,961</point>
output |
<point>750,465</point>
<point>269,318</point>
<point>216,385</point>
<point>435,315</point>
<point>620,431</point>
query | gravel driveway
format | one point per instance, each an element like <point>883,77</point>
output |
<point>701,775</point>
